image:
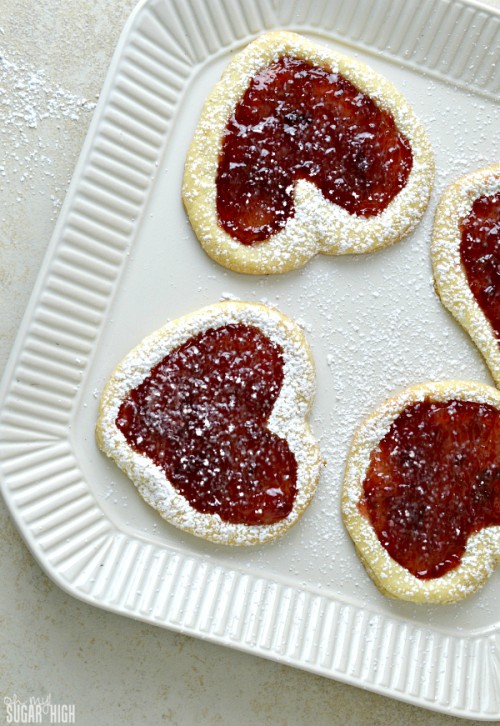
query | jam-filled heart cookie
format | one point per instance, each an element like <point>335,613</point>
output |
<point>466,258</point>
<point>300,150</point>
<point>207,416</point>
<point>421,496</point>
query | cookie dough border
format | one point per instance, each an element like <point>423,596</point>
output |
<point>318,225</point>
<point>287,420</point>
<point>483,547</point>
<point>449,274</point>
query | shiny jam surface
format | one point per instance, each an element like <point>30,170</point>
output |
<point>201,416</point>
<point>433,480</point>
<point>480,254</point>
<point>300,121</point>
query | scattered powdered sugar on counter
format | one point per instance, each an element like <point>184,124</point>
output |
<point>35,98</point>
<point>28,99</point>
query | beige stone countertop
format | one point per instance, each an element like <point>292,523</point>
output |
<point>53,58</point>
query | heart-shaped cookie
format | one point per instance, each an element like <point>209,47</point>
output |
<point>466,258</point>
<point>300,150</point>
<point>421,496</point>
<point>207,417</point>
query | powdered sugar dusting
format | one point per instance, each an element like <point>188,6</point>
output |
<point>27,100</point>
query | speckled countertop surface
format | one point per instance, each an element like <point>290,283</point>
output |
<point>53,58</point>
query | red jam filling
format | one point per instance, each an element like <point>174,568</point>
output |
<point>480,254</point>
<point>433,480</point>
<point>201,416</point>
<point>300,121</point>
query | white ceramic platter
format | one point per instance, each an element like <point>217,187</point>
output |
<point>123,260</point>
